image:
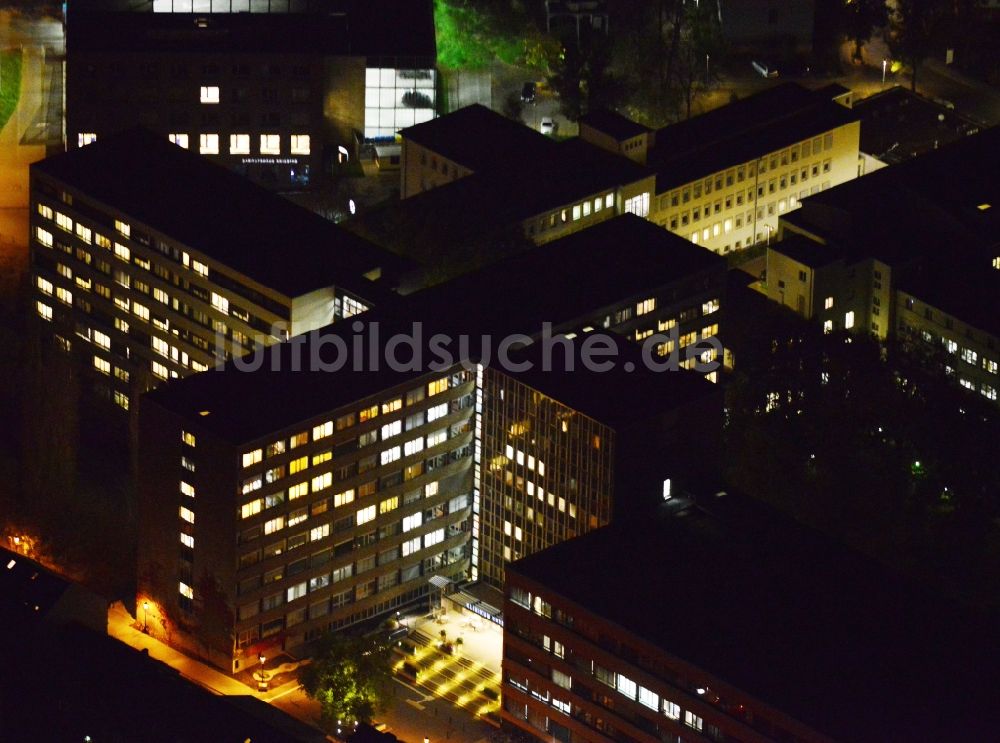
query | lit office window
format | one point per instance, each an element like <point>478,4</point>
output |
<point>85,138</point>
<point>208,144</point>
<point>181,140</point>
<point>270,144</point>
<point>239,144</point>
<point>300,144</point>
<point>638,205</point>
<point>367,514</point>
<point>187,514</point>
<point>186,590</point>
<point>187,540</point>
<point>828,303</point>
<point>849,320</point>
<point>103,366</point>
<point>209,93</point>
<point>220,303</point>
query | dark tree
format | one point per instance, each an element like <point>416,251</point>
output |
<point>351,678</point>
<point>861,18</point>
<point>914,31</point>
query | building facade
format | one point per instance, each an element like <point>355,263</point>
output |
<point>143,295</point>
<point>312,527</point>
<point>283,96</point>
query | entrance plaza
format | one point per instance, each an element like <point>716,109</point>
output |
<point>463,666</point>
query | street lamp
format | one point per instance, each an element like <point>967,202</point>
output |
<point>884,63</point>
<point>769,228</point>
<point>145,618</point>
<point>262,681</point>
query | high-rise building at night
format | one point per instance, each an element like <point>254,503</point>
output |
<point>150,263</point>
<point>315,500</point>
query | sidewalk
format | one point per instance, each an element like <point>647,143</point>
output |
<point>120,626</point>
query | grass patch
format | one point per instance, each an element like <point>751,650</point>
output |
<point>10,83</point>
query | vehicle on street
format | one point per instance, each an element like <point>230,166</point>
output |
<point>548,126</point>
<point>764,69</point>
<point>528,92</point>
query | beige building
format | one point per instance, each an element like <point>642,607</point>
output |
<point>723,179</point>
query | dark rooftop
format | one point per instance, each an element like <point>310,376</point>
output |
<point>567,280</point>
<point>805,251</point>
<point>488,303</point>
<point>946,198</point>
<point>742,130</point>
<point>368,28</point>
<point>223,215</point>
<point>965,292</point>
<point>789,617</point>
<point>897,124</point>
<point>613,124</point>
<point>480,139</point>
<point>488,203</point>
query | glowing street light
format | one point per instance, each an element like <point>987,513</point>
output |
<point>262,678</point>
<point>145,618</point>
<point>885,62</point>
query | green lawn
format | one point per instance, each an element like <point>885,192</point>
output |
<point>10,83</point>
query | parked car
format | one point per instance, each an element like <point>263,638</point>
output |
<point>528,92</point>
<point>764,69</point>
<point>548,126</point>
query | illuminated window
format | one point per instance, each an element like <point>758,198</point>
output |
<point>122,252</point>
<point>366,514</point>
<point>209,93</point>
<point>322,430</point>
<point>252,508</point>
<point>188,438</point>
<point>199,268</point>
<point>413,521</point>
<point>181,140</point>
<point>692,720</point>
<point>576,212</point>
<point>273,525</point>
<point>828,326</point>
<point>849,320</point>
<point>187,540</point>
<point>638,205</point>
<point>208,144</point>
<point>220,303</point>
<point>341,499</point>
<point>434,537</point>
<point>368,413</point>
<point>253,457</point>
<point>392,406</point>
<point>828,303</point>
<point>389,504</point>
<point>438,411</point>
<point>300,144</point>
<point>159,370</point>
<point>45,211</point>
<point>297,465</point>
<point>270,144</point>
<point>239,144</point>
<point>390,455</point>
<point>64,222</point>
<point>44,237</point>
<point>439,385</point>
<point>646,305</point>
<point>85,138</point>
<point>186,590</point>
<point>64,295</point>
<point>104,367</point>
<point>414,446</point>
<point>297,491</point>
<point>322,482</point>
<point>392,429</point>
<point>44,285</point>
<point>187,514</point>
<point>671,710</point>
<point>609,200</point>
<point>83,233</point>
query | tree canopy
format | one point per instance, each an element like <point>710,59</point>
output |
<point>351,678</point>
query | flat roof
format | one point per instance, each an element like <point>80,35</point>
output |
<point>480,139</point>
<point>966,292</point>
<point>221,214</point>
<point>805,251</point>
<point>440,225</point>
<point>567,279</point>
<point>369,28</point>
<point>613,124</point>
<point>487,302</point>
<point>790,617</point>
<point>741,131</point>
<point>948,197</point>
<point>898,124</point>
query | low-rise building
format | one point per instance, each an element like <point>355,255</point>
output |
<point>724,178</point>
<point>470,140</point>
<point>718,620</point>
<point>150,262</point>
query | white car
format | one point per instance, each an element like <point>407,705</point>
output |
<point>548,126</point>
